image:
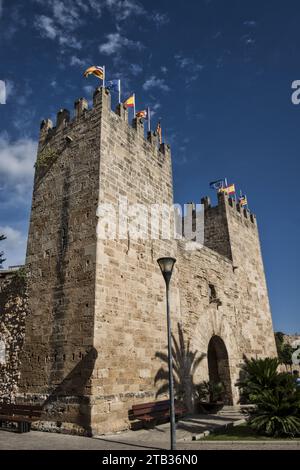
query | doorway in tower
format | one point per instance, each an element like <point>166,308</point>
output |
<point>218,367</point>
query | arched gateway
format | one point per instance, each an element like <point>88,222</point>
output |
<point>218,366</point>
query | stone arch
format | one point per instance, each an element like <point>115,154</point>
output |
<point>218,366</point>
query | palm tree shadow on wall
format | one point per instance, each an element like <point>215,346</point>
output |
<point>185,365</point>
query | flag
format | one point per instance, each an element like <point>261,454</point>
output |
<point>142,114</point>
<point>218,184</point>
<point>95,70</point>
<point>243,200</point>
<point>113,85</point>
<point>158,132</point>
<point>228,189</point>
<point>130,102</point>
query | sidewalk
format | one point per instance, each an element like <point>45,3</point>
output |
<point>157,438</point>
<point>186,430</point>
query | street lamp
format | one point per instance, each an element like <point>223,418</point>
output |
<point>166,266</point>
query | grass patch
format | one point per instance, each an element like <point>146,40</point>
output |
<point>242,432</point>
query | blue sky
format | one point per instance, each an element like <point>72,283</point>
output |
<point>217,73</point>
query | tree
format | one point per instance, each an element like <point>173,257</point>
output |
<point>277,411</point>
<point>2,237</point>
<point>284,350</point>
<point>275,396</point>
<point>257,375</point>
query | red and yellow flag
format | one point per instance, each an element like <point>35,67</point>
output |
<point>228,189</point>
<point>95,70</point>
<point>130,102</point>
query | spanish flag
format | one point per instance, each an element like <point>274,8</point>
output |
<point>130,102</point>
<point>228,189</point>
<point>95,70</point>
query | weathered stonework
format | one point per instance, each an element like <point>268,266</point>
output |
<point>96,336</point>
<point>13,311</point>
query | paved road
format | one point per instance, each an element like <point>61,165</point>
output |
<point>36,440</point>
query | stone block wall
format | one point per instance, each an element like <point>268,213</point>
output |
<point>130,315</point>
<point>13,311</point>
<point>61,258</point>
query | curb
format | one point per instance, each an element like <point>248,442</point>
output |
<point>254,442</point>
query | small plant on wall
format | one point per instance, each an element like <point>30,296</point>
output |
<point>47,156</point>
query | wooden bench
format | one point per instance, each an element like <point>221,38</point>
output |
<point>23,414</point>
<point>153,412</point>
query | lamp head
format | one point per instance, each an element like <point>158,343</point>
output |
<point>166,266</point>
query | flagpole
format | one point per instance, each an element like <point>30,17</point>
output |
<point>103,82</point>
<point>119,91</point>
<point>133,105</point>
<point>149,119</point>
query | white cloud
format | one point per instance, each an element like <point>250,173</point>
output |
<point>50,30</point>
<point>88,89</point>
<point>154,82</point>
<point>14,246</point>
<point>24,120</point>
<point>115,42</point>
<point>136,69</point>
<point>76,61</point>
<point>62,19</point>
<point>250,23</point>
<point>46,27</point>
<point>96,6</point>
<point>9,89</point>
<point>164,69</point>
<point>67,14</point>
<point>16,163</point>
<point>188,62</point>
<point>21,94</point>
<point>154,108</point>
<point>160,18</point>
<point>70,41</point>
<point>192,67</point>
<point>123,9</point>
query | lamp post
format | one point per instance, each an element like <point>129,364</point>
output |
<point>166,265</point>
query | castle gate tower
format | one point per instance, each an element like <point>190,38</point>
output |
<point>96,334</point>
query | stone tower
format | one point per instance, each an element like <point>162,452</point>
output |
<point>95,337</point>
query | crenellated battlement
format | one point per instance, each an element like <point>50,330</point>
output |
<point>65,122</point>
<point>225,201</point>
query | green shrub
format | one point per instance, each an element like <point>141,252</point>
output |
<point>275,396</point>
<point>211,392</point>
<point>257,375</point>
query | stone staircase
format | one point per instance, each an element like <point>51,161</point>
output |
<point>234,412</point>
